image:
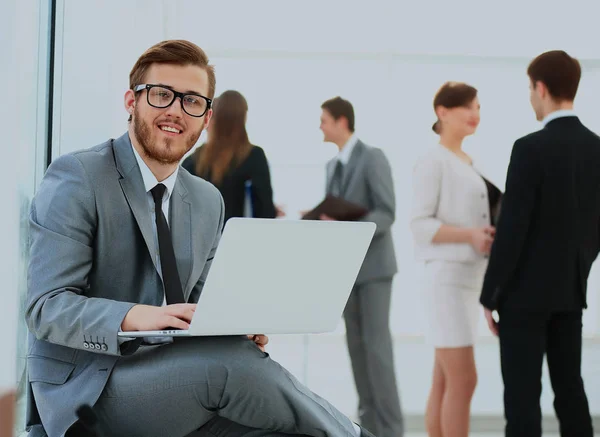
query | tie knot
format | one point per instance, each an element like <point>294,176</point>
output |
<point>158,192</point>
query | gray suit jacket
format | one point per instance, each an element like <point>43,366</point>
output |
<point>91,246</point>
<point>368,182</point>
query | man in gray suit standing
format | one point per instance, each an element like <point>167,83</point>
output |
<point>362,175</point>
<point>122,238</point>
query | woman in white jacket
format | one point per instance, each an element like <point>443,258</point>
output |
<point>453,213</point>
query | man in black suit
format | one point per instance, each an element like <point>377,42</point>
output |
<point>546,241</point>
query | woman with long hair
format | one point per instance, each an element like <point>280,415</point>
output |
<point>230,162</point>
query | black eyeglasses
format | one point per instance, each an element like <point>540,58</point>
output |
<point>160,96</point>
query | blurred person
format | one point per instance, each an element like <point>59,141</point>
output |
<point>110,251</point>
<point>546,241</point>
<point>228,160</point>
<point>8,401</point>
<point>452,221</point>
<point>362,175</point>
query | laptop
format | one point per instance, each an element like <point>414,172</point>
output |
<point>278,277</point>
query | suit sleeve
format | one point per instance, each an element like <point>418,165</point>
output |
<point>381,189</point>
<point>427,180</point>
<point>197,290</point>
<point>522,182</point>
<point>262,191</point>
<point>62,229</point>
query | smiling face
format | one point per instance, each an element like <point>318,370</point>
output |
<point>461,121</point>
<point>165,135</point>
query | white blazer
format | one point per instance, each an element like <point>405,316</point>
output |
<point>446,190</point>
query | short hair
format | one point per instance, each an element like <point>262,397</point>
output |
<point>453,95</point>
<point>560,73</point>
<point>338,108</point>
<point>175,52</point>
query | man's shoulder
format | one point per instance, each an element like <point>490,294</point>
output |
<point>371,153</point>
<point>368,148</point>
<point>91,159</point>
<point>99,152</point>
<point>103,149</point>
<point>199,187</point>
<point>534,136</point>
<point>532,141</point>
<point>546,137</point>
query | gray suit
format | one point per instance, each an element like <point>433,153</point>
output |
<point>367,181</point>
<point>92,259</point>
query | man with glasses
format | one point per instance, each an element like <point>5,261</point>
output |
<point>122,238</point>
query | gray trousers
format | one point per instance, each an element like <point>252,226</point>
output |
<point>370,346</point>
<point>224,386</point>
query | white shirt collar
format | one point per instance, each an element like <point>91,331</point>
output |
<point>346,152</point>
<point>150,180</point>
<point>558,114</point>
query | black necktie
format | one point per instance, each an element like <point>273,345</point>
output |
<point>170,275</point>
<point>335,187</point>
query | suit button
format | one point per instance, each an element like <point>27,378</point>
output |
<point>86,345</point>
<point>104,347</point>
<point>97,346</point>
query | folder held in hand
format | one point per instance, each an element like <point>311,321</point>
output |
<point>337,208</point>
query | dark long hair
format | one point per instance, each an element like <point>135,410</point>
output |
<point>228,142</point>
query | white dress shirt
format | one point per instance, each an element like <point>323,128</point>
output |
<point>150,182</point>
<point>558,114</point>
<point>346,152</point>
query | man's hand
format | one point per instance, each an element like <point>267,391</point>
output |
<point>152,318</point>
<point>327,218</point>
<point>279,211</point>
<point>492,324</point>
<point>260,340</point>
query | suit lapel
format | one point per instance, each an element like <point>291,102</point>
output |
<point>134,191</point>
<point>351,167</point>
<point>329,174</point>
<point>181,233</point>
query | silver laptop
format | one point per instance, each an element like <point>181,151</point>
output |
<point>278,277</point>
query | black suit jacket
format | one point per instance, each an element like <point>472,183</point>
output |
<point>255,168</point>
<point>548,234</point>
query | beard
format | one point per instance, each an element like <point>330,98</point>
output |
<point>163,150</point>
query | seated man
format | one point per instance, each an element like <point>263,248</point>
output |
<point>122,238</point>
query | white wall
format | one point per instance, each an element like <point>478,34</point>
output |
<point>388,59</point>
<point>8,226</point>
<point>23,40</point>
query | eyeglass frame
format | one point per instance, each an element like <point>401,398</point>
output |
<point>148,87</point>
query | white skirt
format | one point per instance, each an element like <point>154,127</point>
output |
<point>451,297</point>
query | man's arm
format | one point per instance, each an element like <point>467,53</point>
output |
<point>63,224</point>
<point>522,181</point>
<point>381,187</point>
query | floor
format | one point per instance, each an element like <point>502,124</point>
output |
<point>485,434</point>
<point>420,434</point>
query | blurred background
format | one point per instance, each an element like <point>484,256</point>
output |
<point>65,67</point>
